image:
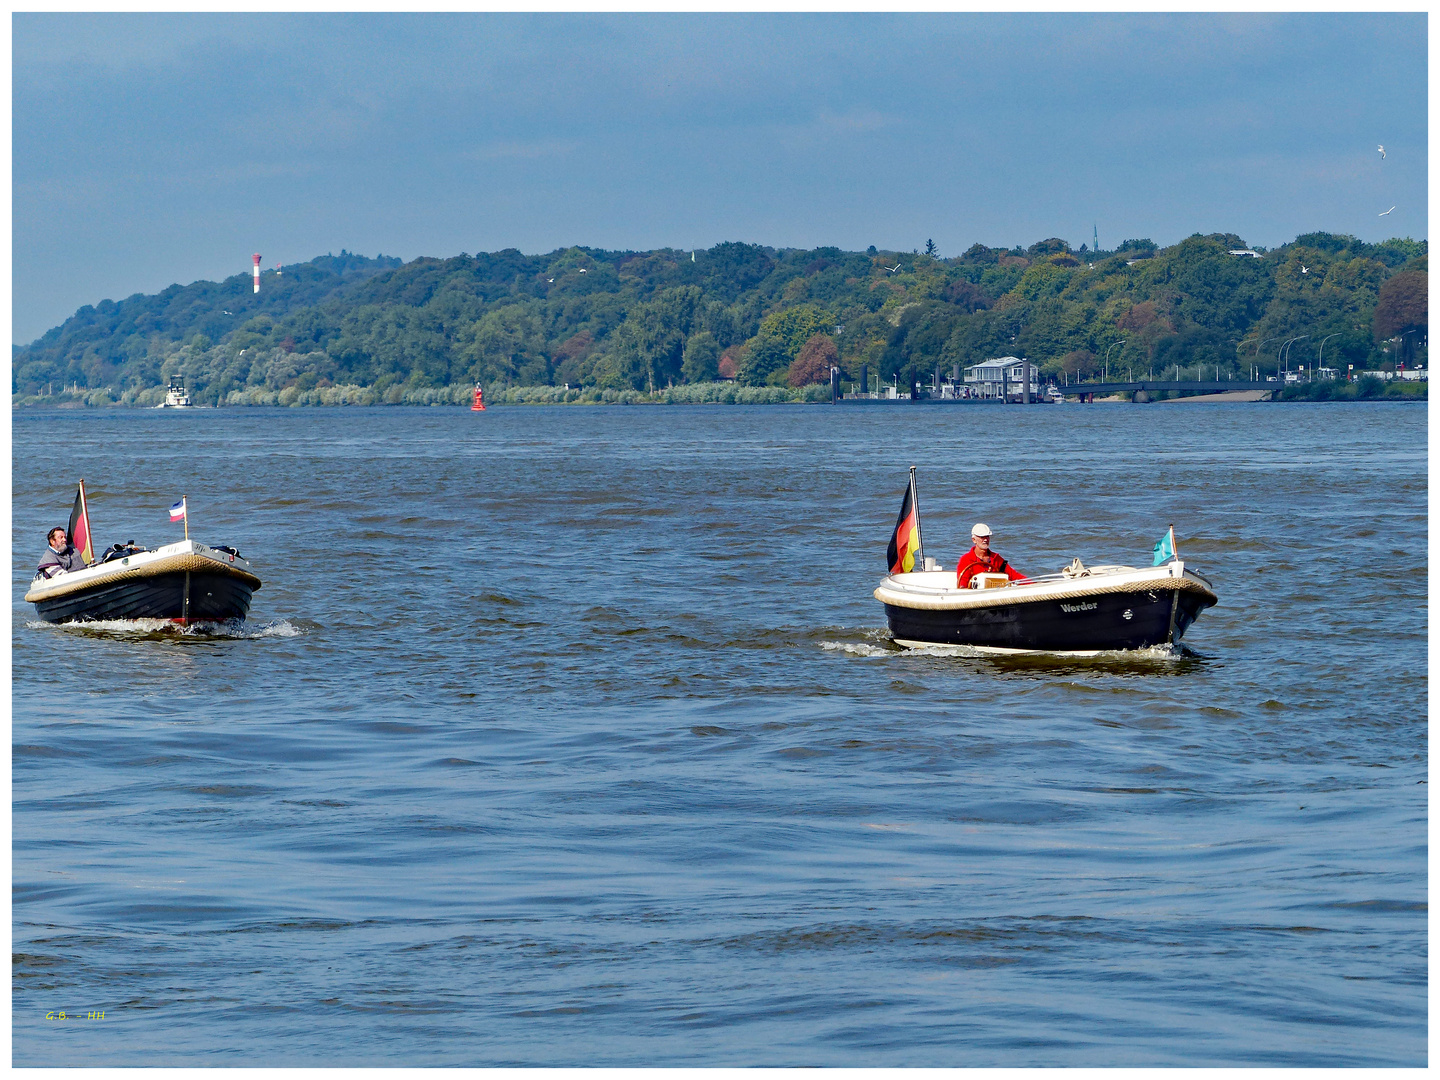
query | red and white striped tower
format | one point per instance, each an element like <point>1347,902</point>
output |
<point>257,273</point>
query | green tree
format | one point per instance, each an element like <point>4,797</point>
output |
<point>648,349</point>
<point>781,336</point>
<point>1075,365</point>
<point>1195,347</point>
<point>505,345</point>
<point>702,358</point>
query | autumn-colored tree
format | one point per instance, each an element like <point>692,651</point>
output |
<point>575,345</point>
<point>571,354</point>
<point>1403,310</point>
<point>817,356</point>
<point>1138,317</point>
<point>730,361</point>
<point>968,296</point>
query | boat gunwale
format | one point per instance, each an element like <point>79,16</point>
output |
<point>186,556</point>
<point>1049,587</point>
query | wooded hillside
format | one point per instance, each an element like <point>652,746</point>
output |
<point>642,320</point>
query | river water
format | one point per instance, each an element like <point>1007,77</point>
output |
<point>572,736</point>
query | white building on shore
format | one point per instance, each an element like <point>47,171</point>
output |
<point>1000,377</point>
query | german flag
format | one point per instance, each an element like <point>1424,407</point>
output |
<point>79,530</point>
<point>905,542</point>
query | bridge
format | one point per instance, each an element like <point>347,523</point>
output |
<point>1088,390</point>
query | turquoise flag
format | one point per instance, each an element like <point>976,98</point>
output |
<point>1165,548</point>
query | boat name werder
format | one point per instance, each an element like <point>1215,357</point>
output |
<point>1067,608</point>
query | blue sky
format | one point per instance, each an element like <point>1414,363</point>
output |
<point>155,149</point>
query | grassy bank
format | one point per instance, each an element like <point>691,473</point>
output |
<point>712,393</point>
<point>1368,389</point>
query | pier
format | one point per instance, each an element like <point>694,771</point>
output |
<point>1088,391</point>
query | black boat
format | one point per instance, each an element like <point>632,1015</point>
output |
<point>1079,610</point>
<point>183,583</point>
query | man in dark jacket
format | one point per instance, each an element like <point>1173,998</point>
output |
<point>59,557</point>
<point>981,560</point>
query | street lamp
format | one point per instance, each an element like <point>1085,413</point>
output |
<point>1105,368</point>
<point>1302,337</point>
<point>1321,364</point>
<point>1282,351</point>
<point>1278,353</point>
<point>1258,346</point>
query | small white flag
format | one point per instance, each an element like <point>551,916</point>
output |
<point>177,512</point>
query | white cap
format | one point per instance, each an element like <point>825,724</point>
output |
<point>980,529</point>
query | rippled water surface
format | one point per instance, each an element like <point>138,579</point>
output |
<point>573,736</point>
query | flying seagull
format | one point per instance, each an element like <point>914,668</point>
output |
<point>582,269</point>
<point>1304,269</point>
<point>1386,212</point>
<point>892,269</point>
<point>551,280</point>
<point>1381,148</point>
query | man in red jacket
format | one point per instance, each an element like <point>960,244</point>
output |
<point>981,560</point>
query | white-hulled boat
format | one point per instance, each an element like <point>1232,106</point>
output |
<point>1079,610</point>
<point>184,583</point>
<point>176,397</point>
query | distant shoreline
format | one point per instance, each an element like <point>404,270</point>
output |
<point>1241,397</point>
<point>657,327</point>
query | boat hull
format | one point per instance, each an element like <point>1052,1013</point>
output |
<point>1095,610</point>
<point>1086,624</point>
<point>213,598</point>
<point>185,582</point>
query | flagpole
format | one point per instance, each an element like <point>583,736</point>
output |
<point>185,505</point>
<point>915,501</point>
<point>1174,553</point>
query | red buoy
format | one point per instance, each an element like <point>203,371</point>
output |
<point>479,405</point>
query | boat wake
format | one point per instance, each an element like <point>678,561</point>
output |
<point>883,646</point>
<point>163,628</point>
<point>1152,652</point>
<point>856,648</point>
